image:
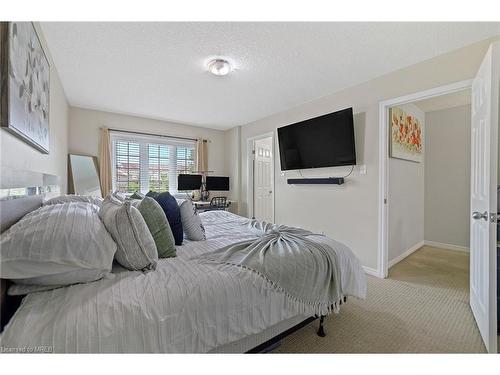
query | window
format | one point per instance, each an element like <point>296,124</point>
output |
<point>143,163</point>
<point>127,166</point>
<point>159,163</point>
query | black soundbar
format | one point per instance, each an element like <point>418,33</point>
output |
<point>316,181</point>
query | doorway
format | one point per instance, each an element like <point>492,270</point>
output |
<point>428,200</point>
<point>384,171</point>
<point>261,187</point>
<point>429,180</point>
<point>483,214</point>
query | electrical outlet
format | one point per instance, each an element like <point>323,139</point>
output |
<point>362,169</point>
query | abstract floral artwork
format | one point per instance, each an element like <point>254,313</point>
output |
<point>406,135</point>
<point>25,84</point>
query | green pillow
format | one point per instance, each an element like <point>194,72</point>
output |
<point>158,225</point>
<point>137,195</point>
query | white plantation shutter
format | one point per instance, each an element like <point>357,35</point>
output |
<point>127,168</point>
<point>159,166</point>
<point>146,162</point>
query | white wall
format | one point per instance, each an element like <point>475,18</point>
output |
<point>406,198</point>
<point>349,213</point>
<point>447,176</point>
<point>85,124</point>
<point>15,154</point>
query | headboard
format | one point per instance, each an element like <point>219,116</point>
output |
<point>20,192</point>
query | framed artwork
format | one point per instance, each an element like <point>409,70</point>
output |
<point>24,84</point>
<point>406,134</point>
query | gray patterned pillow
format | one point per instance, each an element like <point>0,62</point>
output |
<point>136,246</point>
<point>191,222</point>
<point>117,194</point>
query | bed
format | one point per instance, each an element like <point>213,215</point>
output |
<point>184,306</point>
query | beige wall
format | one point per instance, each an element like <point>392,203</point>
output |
<point>349,213</point>
<point>406,198</point>
<point>232,161</point>
<point>15,154</point>
<point>84,136</point>
<point>447,176</point>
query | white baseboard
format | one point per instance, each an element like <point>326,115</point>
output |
<point>371,271</point>
<point>447,246</point>
<point>406,253</point>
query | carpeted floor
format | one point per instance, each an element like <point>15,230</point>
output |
<point>422,307</point>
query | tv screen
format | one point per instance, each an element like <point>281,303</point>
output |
<point>324,141</point>
<point>217,183</point>
<point>188,181</point>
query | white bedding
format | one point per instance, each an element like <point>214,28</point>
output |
<point>183,306</point>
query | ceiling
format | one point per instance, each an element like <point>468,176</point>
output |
<point>157,70</point>
<point>445,101</point>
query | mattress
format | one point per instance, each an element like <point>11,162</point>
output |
<point>184,306</point>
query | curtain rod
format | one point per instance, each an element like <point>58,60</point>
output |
<point>155,135</point>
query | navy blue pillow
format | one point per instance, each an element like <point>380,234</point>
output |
<point>172,211</point>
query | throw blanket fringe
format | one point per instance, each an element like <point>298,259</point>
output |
<point>305,271</point>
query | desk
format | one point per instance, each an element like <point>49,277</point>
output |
<point>201,206</point>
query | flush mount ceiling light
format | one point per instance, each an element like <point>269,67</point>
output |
<point>219,67</point>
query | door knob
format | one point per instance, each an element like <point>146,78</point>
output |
<point>478,215</point>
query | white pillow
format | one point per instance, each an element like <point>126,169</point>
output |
<point>74,198</point>
<point>136,247</point>
<point>191,222</point>
<point>58,244</point>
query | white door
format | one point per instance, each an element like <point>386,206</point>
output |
<point>484,161</point>
<point>263,180</point>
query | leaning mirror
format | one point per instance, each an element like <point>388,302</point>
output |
<point>83,176</point>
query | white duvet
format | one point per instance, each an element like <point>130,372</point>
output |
<point>183,306</point>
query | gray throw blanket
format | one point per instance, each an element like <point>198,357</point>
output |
<point>305,270</point>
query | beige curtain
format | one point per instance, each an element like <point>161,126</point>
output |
<point>201,155</point>
<point>105,163</point>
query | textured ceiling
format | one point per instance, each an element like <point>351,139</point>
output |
<point>157,70</point>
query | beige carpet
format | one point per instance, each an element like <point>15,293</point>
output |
<point>421,308</point>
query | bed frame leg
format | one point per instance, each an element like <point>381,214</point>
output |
<point>321,329</point>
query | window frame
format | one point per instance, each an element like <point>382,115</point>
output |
<point>145,141</point>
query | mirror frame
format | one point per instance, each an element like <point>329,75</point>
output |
<point>71,184</point>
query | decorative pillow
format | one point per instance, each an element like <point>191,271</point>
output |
<point>172,211</point>
<point>158,225</point>
<point>74,198</point>
<point>58,244</point>
<point>118,195</point>
<point>136,247</point>
<point>137,195</point>
<point>191,222</point>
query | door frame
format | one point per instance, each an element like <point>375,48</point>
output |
<point>250,171</point>
<point>383,211</point>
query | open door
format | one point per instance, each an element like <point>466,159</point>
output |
<point>484,162</point>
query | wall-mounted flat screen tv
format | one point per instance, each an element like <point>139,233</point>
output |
<point>324,141</point>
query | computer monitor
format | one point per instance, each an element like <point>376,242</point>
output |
<point>215,183</point>
<point>188,181</point>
